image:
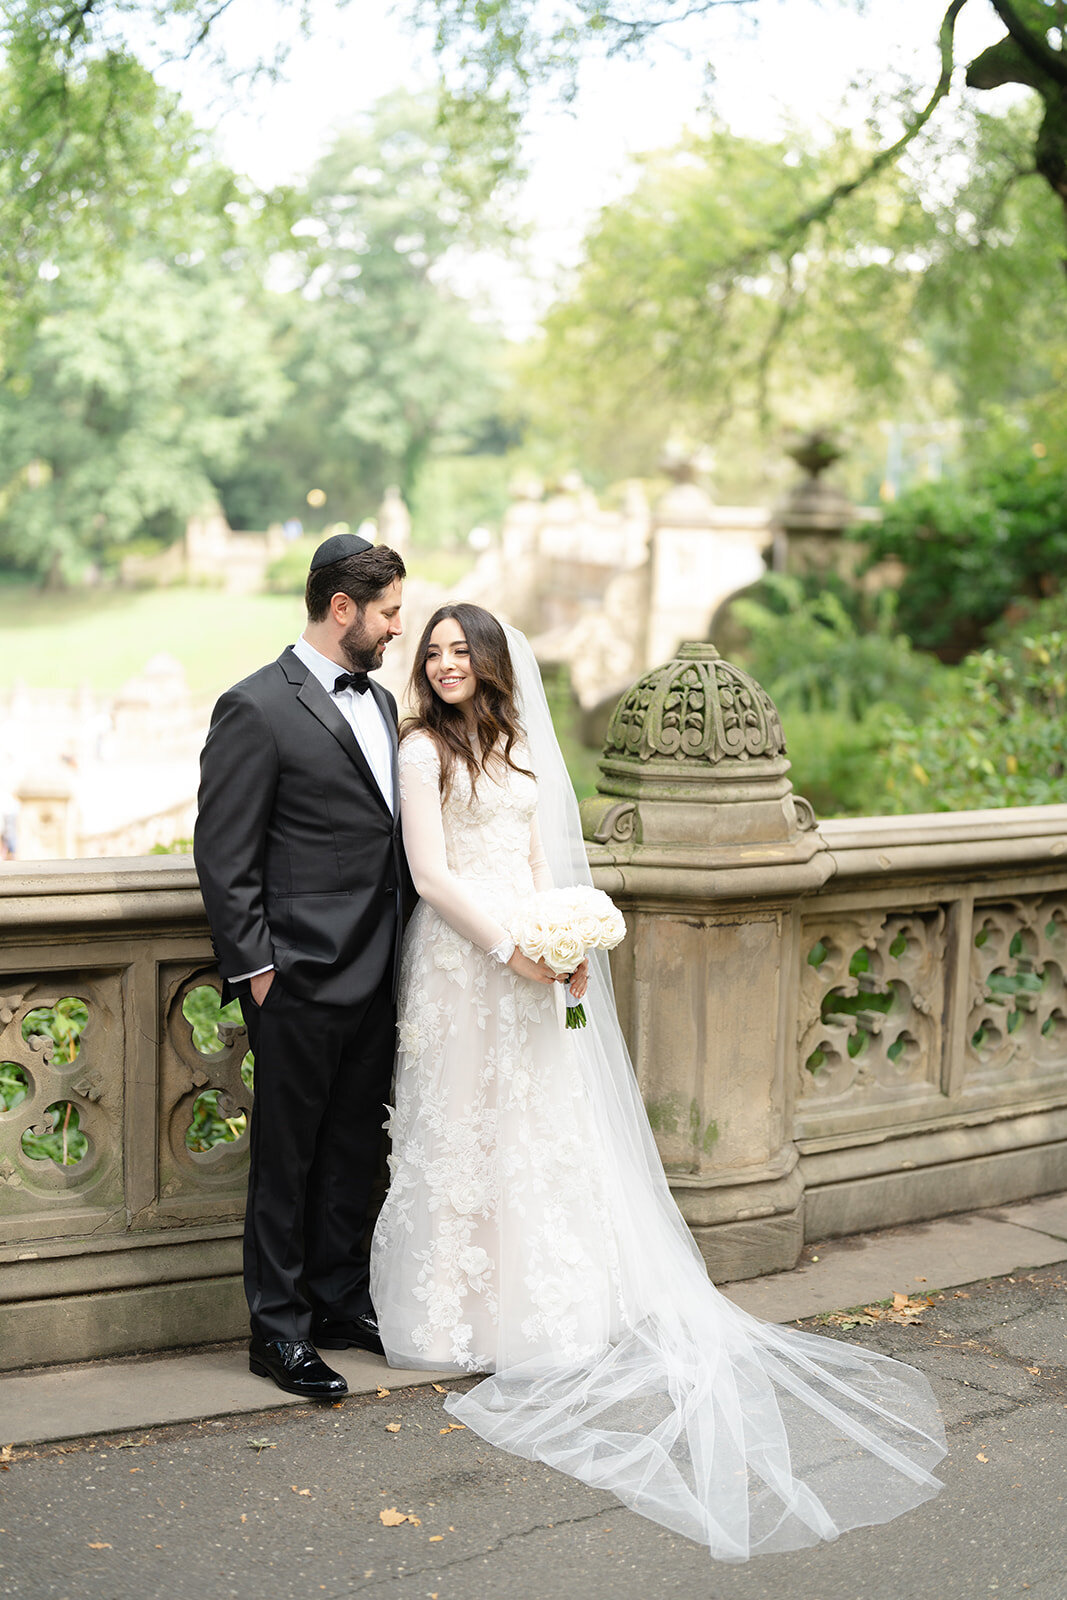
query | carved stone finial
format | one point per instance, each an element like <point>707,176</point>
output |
<point>695,759</point>
<point>695,709</point>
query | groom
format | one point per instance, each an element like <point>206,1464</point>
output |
<point>298,849</point>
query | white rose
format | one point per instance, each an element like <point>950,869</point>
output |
<point>567,950</point>
<point>589,929</point>
<point>533,940</point>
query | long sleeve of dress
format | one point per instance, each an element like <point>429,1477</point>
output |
<point>542,873</point>
<point>424,845</point>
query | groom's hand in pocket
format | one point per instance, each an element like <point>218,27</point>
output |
<point>260,985</point>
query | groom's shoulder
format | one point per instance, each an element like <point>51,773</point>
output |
<point>266,686</point>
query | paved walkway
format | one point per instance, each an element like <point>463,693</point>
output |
<point>259,1501</point>
<point>115,1396</point>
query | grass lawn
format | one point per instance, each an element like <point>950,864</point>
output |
<point>103,637</point>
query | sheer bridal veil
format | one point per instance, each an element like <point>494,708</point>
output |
<point>742,1435</point>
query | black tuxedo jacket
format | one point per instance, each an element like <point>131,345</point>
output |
<point>299,856</point>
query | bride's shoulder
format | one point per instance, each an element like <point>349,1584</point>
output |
<point>418,749</point>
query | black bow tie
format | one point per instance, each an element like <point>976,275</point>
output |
<point>358,681</point>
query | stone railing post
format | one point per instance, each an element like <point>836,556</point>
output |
<point>47,820</point>
<point>696,834</point>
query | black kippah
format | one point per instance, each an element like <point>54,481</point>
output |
<point>336,548</point>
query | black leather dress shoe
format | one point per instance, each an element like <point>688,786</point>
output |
<point>341,1333</point>
<point>295,1367</point>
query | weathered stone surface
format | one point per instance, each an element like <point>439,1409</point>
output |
<point>135,1243</point>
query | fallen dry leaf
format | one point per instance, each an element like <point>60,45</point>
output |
<point>435,1538</point>
<point>392,1427</point>
<point>391,1517</point>
<point>244,1516</point>
<point>7,1452</point>
<point>96,1546</point>
<point>439,1387</point>
<point>455,1427</point>
<point>382,1393</point>
<point>299,1491</point>
<point>1034,1371</point>
<point>981,1457</point>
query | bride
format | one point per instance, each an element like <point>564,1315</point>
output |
<point>529,1232</point>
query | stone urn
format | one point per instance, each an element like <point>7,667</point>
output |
<point>814,515</point>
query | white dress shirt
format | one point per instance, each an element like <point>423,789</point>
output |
<point>361,713</point>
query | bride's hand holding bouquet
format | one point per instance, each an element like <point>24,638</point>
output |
<point>559,927</point>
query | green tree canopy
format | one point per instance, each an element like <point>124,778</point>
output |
<point>930,291</point>
<point>387,366</point>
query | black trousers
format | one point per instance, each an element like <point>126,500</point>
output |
<point>322,1078</point>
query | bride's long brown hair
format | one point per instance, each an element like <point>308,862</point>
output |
<point>496,718</point>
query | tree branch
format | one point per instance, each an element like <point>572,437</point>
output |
<point>885,158</point>
<point>1049,61</point>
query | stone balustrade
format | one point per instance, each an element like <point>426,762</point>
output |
<point>134,1241</point>
<point>834,1026</point>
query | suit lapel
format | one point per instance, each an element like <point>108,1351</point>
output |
<point>325,709</point>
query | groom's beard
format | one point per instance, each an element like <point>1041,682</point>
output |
<point>362,651</point>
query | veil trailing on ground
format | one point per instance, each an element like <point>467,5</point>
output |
<point>742,1435</point>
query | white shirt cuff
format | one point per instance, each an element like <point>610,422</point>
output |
<point>240,977</point>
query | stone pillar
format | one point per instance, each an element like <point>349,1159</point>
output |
<point>47,824</point>
<point>697,836</point>
<point>695,561</point>
<point>810,522</point>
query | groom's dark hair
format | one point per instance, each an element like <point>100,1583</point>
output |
<point>361,577</point>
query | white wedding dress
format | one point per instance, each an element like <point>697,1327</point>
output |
<point>529,1234</point>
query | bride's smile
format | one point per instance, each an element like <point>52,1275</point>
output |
<point>448,667</point>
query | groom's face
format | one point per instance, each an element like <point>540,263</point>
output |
<point>366,637</point>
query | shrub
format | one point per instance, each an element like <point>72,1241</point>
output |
<point>814,649</point>
<point>971,545</point>
<point>998,739</point>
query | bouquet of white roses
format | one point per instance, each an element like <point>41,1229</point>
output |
<point>558,927</point>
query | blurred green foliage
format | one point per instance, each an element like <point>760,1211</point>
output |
<point>836,666</point>
<point>998,737</point>
<point>14,1085</point>
<point>64,1024</point>
<point>209,1126</point>
<point>975,542</point>
<point>816,645</point>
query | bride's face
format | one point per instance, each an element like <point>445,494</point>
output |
<point>448,666</point>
